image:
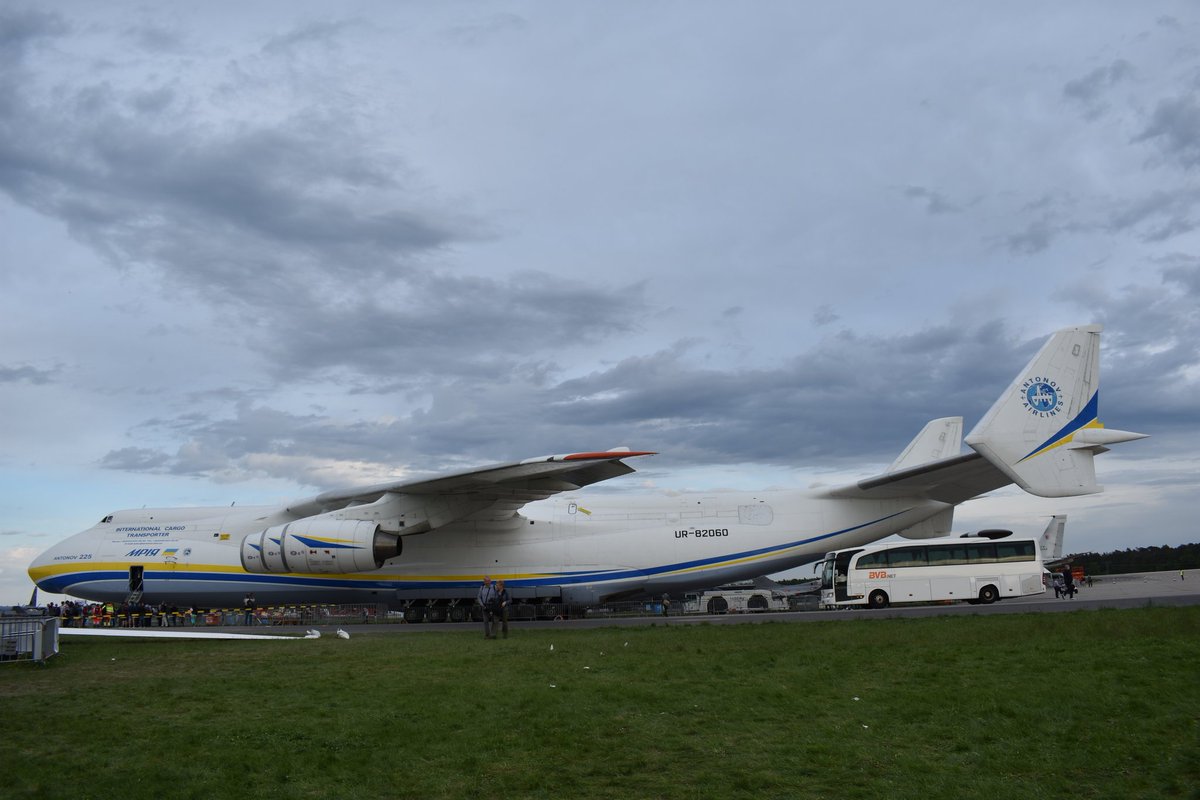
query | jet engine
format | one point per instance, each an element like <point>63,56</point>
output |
<point>320,545</point>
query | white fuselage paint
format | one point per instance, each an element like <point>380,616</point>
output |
<point>571,546</point>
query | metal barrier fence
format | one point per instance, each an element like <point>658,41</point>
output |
<point>26,637</point>
<point>101,615</point>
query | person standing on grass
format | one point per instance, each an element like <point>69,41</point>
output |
<point>487,599</point>
<point>502,608</point>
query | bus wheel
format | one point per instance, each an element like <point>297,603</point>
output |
<point>988,594</point>
<point>878,599</point>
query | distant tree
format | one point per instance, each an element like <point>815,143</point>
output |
<point>1140,559</point>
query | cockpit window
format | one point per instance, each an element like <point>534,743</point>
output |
<point>106,519</point>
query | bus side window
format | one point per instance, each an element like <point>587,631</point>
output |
<point>1014,551</point>
<point>907,557</point>
<point>947,555</point>
<point>981,553</point>
<point>872,560</point>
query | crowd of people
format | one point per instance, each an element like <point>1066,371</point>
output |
<point>78,614</point>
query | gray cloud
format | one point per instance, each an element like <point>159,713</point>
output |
<point>28,374</point>
<point>935,202</point>
<point>324,33</point>
<point>1091,91</point>
<point>1158,215</point>
<point>824,315</point>
<point>1151,354</point>
<point>135,459</point>
<point>308,236</point>
<point>22,28</point>
<point>1175,127</point>
<point>453,325</point>
<point>854,395</point>
<point>1037,236</point>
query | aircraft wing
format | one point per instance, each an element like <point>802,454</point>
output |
<point>947,480</point>
<point>499,489</point>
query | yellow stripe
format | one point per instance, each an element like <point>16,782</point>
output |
<point>122,566</point>
<point>1093,424</point>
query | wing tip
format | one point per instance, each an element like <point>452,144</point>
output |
<point>605,455</point>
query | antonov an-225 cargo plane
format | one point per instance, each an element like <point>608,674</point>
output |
<point>528,523</point>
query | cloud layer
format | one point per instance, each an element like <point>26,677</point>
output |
<point>281,249</point>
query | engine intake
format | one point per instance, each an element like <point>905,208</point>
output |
<point>320,546</point>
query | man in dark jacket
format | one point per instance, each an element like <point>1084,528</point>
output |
<point>487,601</point>
<point>502,608</point>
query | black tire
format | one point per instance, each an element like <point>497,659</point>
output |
<point>718,605</point>
<point>877,599</point>
<point>757,603</point>
<point>988,595</point>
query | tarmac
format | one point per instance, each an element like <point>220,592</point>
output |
<point>1135,590</point>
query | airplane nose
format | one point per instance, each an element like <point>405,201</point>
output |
<point>39,569</point>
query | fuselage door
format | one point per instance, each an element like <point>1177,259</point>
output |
<point>136,582</point>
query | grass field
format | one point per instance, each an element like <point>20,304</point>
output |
<point>1089,704</point>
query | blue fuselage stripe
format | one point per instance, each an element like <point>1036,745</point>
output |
<point>62,583</point>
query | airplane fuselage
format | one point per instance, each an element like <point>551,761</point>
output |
<point>614,545</point>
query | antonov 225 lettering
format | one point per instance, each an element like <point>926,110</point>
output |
<point>531,524</point>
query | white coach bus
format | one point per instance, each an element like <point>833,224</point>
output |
<point>975,570</point>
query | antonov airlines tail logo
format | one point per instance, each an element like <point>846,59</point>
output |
<point>1042,397</point>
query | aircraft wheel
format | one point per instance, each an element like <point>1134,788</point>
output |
<point>878,599</point>
<point>988,594</point>
<point>718,605</point>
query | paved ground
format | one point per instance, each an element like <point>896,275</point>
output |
<point>1113,591</point>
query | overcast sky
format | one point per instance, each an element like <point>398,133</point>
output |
<point>253,251</point>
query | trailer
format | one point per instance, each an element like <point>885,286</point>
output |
<point>734,601</point>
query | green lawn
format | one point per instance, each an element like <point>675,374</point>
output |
<point>1082,705</point>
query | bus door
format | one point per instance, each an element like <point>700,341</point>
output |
<point>841,571</point>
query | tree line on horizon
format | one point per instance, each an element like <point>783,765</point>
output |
<point>1139,559</point>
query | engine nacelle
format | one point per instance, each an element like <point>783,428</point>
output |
<point>319,545</point>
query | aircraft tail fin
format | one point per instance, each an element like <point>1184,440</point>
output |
<point>1051,540</point>
<point>1044,431</point>
<point>939,439</point>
